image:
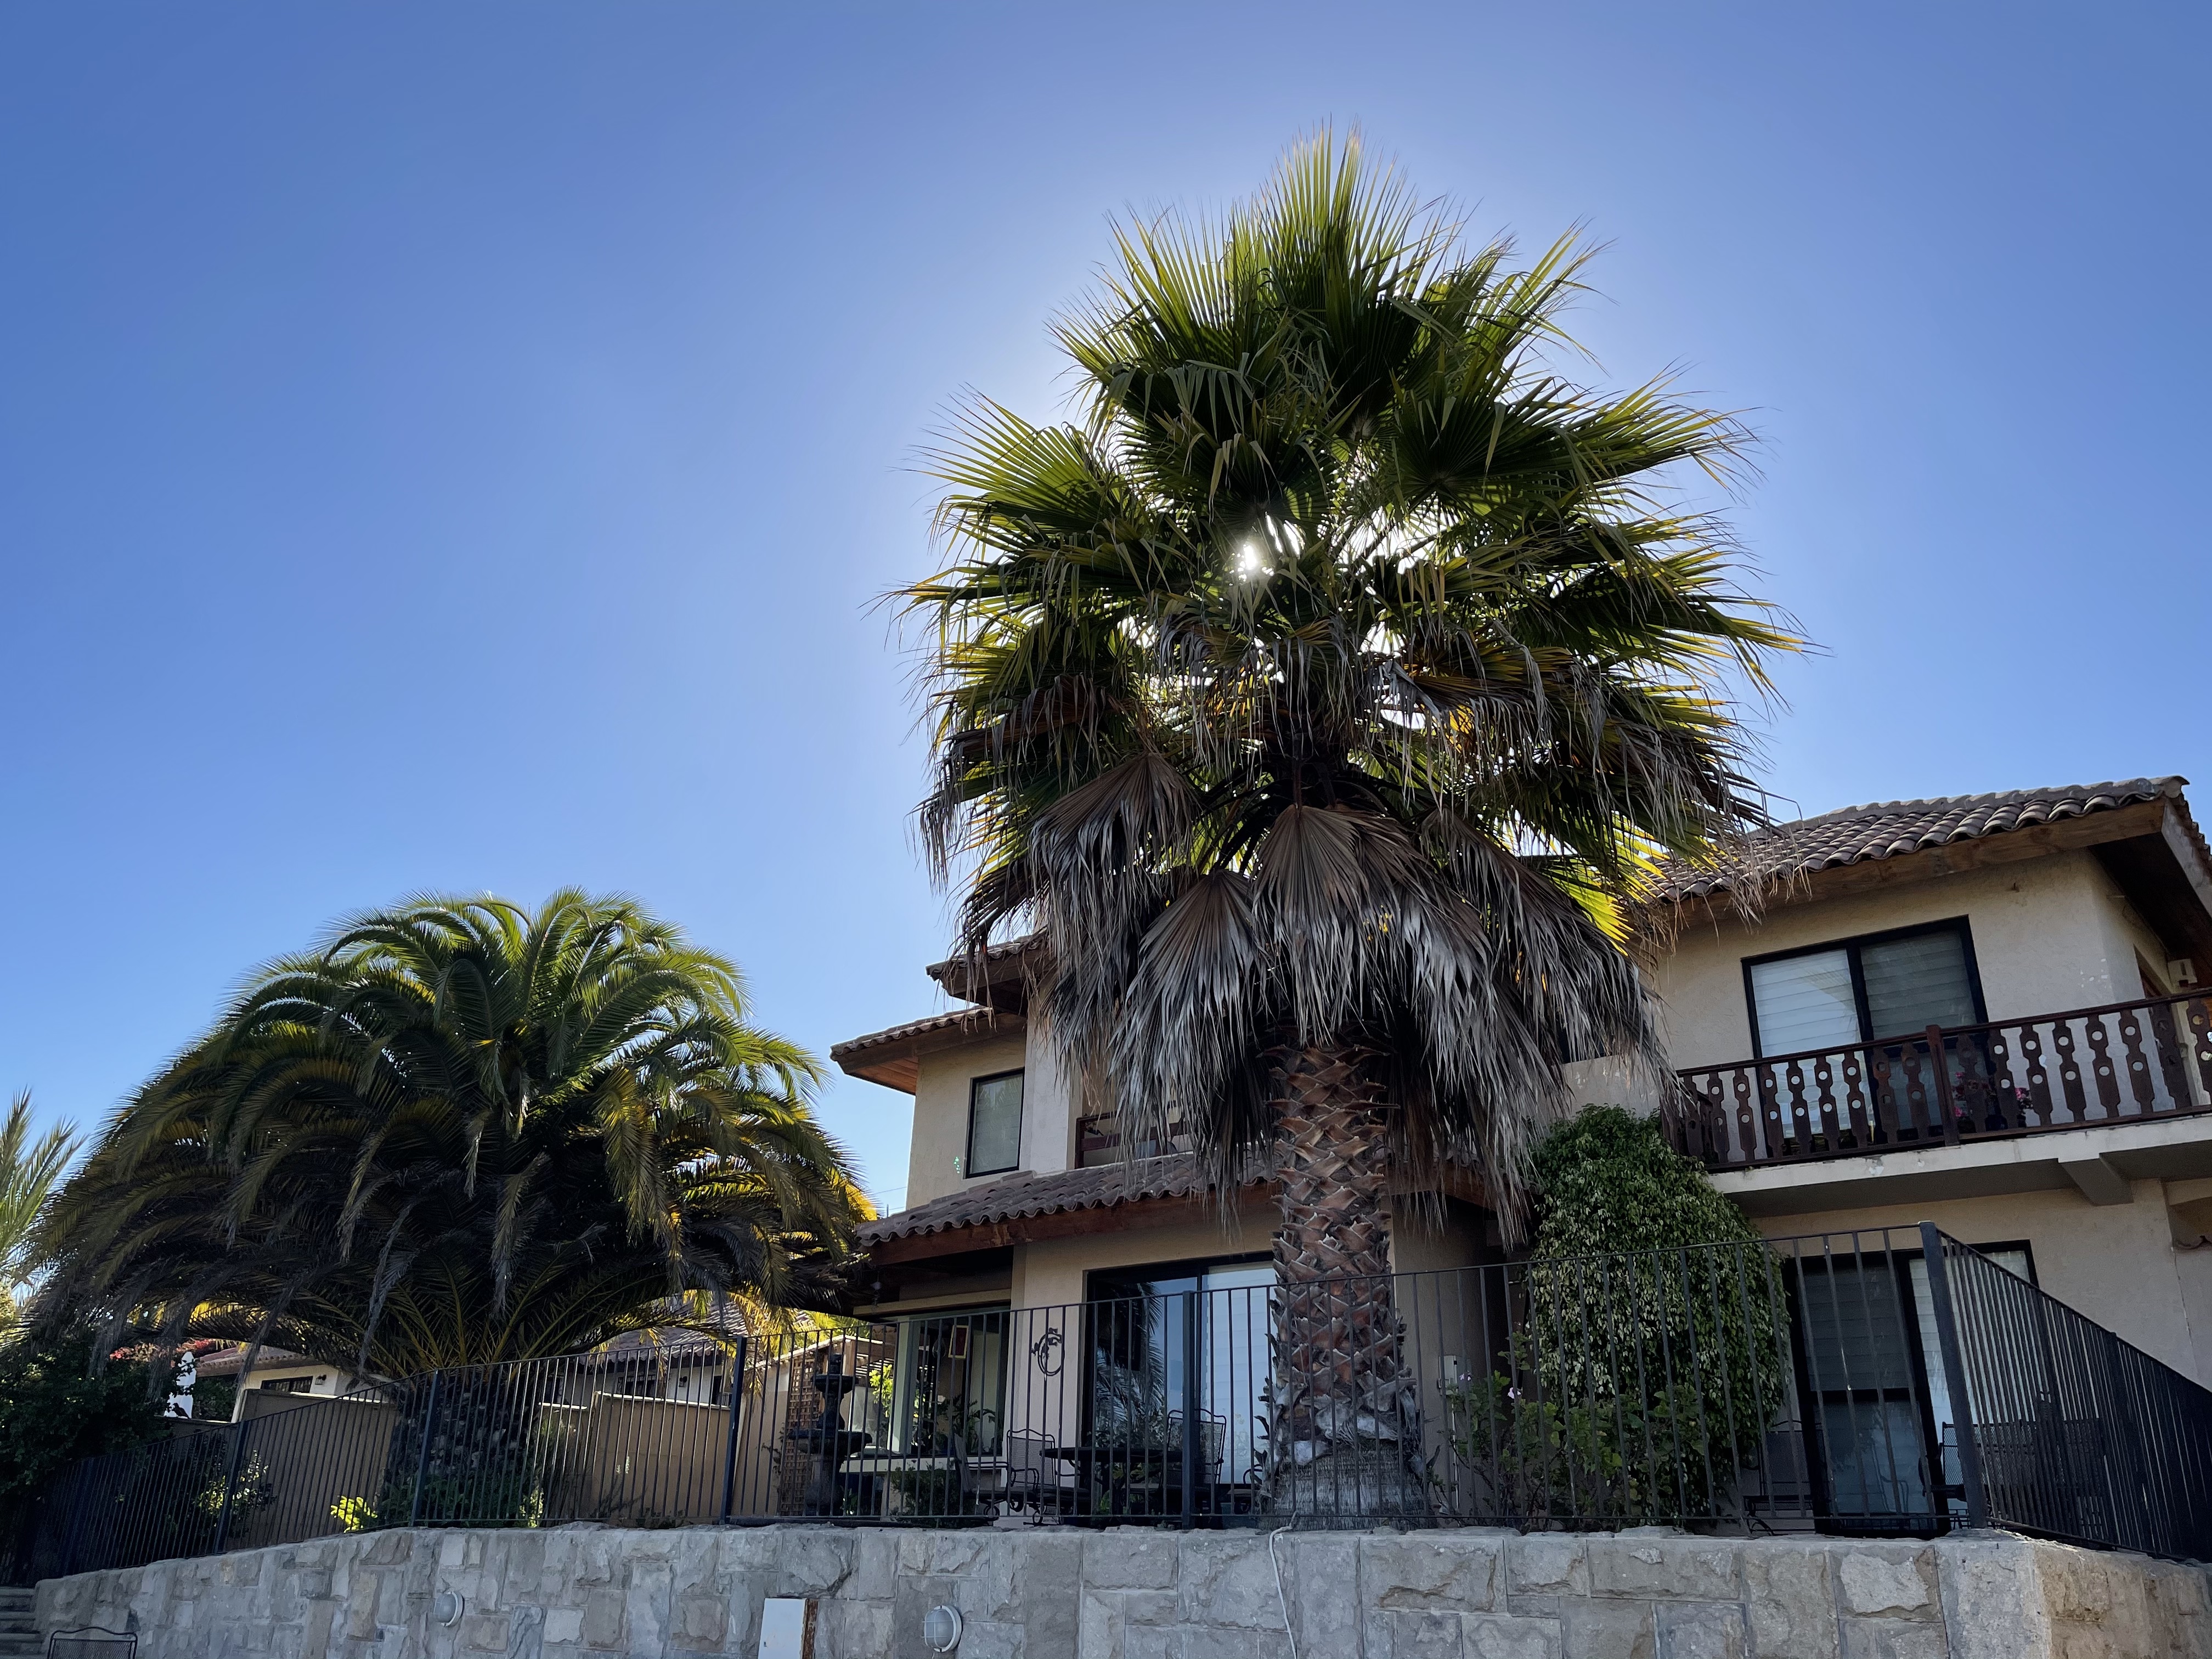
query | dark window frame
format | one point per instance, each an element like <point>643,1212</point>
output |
<point>1852,946</point>
<point>968,1169</point>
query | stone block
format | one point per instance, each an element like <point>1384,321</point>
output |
<point>702,1621</point>
<point>1425,1633</point>
<point>1502,1635</point>
<point>1608,1630</point>
<point>861,1628</point>
<point>1211,1642</point>
<point>1547,1563</point>
<point>1418,1572</point>
<point>875,1565</point>
<point>1894,1639</point>
<point>1889,1580</point>
<point>484,1632</point>
<point>1225,1580</point>
<point>1152,1642</point>
<point>988,1638</point>
<point>805,1561</point>
<point>1127,1558</point>
<point>1321,1574</point>
<point>1100,1625</point>
<point>603,1618</point>
<point>1649,1565</point>
<point>1991,1605</point>
<point>564,1626</point>
<point>1790,1600</point>
<point>1150,1608</point>
<point>1049,1573</point>
<point>1701,1630</point>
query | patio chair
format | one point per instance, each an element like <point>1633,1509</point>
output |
<point>1035,1478</point>
<point>92,1642</point>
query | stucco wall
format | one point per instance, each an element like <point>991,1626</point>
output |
<point>2116,1263</point>
<point>1058,1593</point>
<point>940,1112</point>
<point>2050,934</point>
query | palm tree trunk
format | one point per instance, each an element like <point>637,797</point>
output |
<point>1340,1414</point>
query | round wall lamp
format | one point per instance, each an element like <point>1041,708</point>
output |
<point>940,1629</point>
<point>446,1609</point>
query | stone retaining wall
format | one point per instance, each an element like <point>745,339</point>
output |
<point>592,1593</point>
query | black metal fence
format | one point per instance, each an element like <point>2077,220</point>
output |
<point>1888,1381</point>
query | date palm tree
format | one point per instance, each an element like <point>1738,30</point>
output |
<point>1324,694</point>
<point>31,1166</point>
<point>461,1132</point>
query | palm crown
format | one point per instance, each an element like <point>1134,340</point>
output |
<point>1337,678</point>
<point>461,1133</point>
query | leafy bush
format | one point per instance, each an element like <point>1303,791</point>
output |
<point>1650,1360</point>
<point>55,1408</point>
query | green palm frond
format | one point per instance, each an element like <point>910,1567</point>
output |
<point>461,1131</point>
<point>1343,669</point>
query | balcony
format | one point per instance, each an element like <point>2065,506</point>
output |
<point>2126,1063</point>
<point>1098,1141</point>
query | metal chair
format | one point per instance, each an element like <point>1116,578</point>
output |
<point>1034,1476</point>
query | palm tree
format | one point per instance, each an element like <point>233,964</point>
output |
<point>1324,696</point>
<point>30,1168</point>
<point>460,1132</point>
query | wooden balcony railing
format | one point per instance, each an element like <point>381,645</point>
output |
<point>1098,1140</point>
<point>2125,1062</point>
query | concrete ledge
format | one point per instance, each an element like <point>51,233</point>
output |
<point>580,1593</point>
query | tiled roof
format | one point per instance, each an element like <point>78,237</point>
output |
<point>225,1361</point>
<point>1019,1197</point>
<point>973,1018</point>
<point>1885,829</point>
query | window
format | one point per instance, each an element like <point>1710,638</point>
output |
<point>1884,985</point>
<point>1168,1340</point>
<point>994,1124</point>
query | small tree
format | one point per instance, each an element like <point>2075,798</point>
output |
<point>1651,1359</point>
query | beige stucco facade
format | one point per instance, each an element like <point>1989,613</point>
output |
<point>2050,934</point>
<point>2058,919</point>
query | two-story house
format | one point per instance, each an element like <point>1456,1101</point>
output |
<point>1984,1011</point>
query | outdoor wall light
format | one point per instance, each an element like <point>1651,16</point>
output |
<point>940,1629</point>
<point>446,1609</point>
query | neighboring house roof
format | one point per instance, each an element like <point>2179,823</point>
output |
<point>1026,1195</point>
<point>1887,830</point>
<point>225,1361</point>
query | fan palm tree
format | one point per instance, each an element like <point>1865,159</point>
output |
<point>461,1132</point>
<point>1324,695</point>
<point>30,1168</point>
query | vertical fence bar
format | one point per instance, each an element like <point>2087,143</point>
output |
<point>730,1447</point>
<point>230,1481</point>
<point>423,1452</point>
<point>1954,1377</point>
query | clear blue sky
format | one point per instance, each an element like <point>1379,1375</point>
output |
<point>456,445</point>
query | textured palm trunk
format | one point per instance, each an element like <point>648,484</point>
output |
<point>1343,1418</point>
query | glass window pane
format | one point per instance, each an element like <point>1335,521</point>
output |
<point>1915,982</point>
<point>995,1126</point>
<point>1805,1002</point>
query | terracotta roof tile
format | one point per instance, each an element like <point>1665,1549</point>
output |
<point>1019,1197</point>
<point>1885,829</point>
<point>975,1019</point>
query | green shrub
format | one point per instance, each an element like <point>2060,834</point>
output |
<point>1651,1358</point>
<point>56,1407</point>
